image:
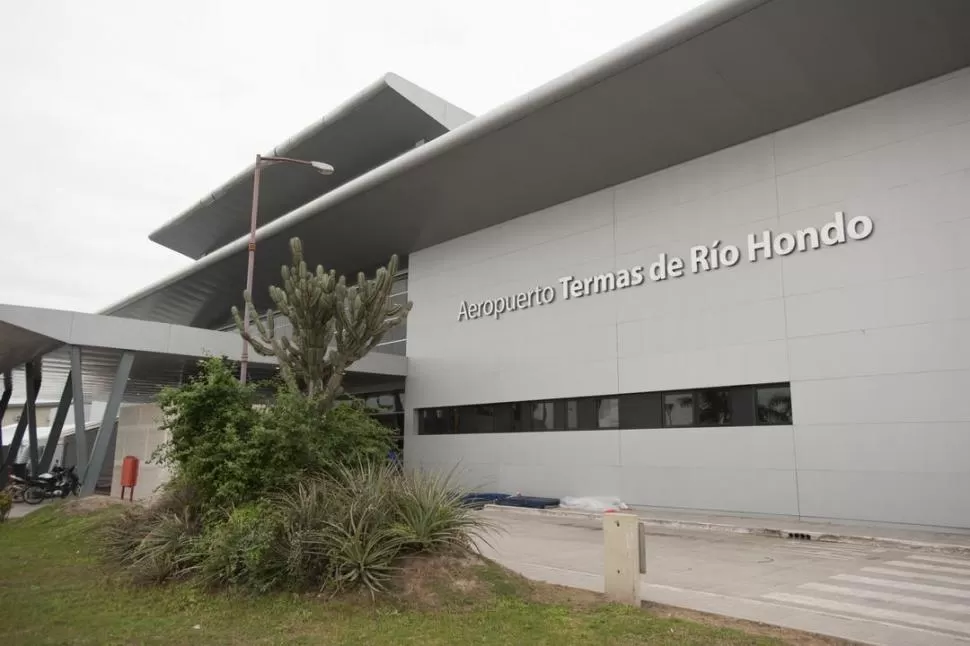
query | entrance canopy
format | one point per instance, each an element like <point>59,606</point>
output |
<point>164,354</point>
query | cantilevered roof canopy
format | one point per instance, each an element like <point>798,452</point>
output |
<point>385,120</point>
<point>165,353</point>
<point>725,73</point>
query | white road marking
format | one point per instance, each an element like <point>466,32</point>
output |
<point>903,585</point>
<point>939,578</point>
<point>960,627</point>
<point>939,559</point>
<point>931,568</point>
<point>876,595</point>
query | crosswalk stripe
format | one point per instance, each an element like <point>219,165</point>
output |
<point>939,578</point>
<point>932,568</point>
<point>961,627</point>
<point>876,595</point>
<point>903,585</point>
<point>939,559</point>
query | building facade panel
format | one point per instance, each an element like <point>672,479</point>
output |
<point>870,332</point>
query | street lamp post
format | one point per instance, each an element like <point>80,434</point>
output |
<point>261,161</point>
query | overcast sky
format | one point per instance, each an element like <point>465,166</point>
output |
<point>117,115</point>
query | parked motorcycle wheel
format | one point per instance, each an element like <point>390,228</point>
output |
<point>34,495</point>
<point>16,493</point>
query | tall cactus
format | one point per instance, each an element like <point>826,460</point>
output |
<point>333,325</point>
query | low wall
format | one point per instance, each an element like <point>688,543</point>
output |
<point>139,435</point>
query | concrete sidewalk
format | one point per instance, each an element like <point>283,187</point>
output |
<point>868,593</point>
<point>953,541</point>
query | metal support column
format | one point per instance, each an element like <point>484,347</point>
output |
<point>5,399</point>
<point>55,434</point>
<point>106,432</point>
<point>80,432</point>
<point>30,409</point>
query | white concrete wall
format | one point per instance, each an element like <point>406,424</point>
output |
<point>874,335</point>
<point>139,435</point>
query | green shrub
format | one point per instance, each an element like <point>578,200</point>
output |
<point>6,504</point>
<point>153,544</point>
<point>241,550</point>
<point>211,420</point>
<point>232,452</point>
<point>349,528</point>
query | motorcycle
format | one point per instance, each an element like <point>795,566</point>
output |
<point>59,483</point>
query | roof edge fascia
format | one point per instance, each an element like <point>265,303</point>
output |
<point>450,116</point>
<point>667,36</point>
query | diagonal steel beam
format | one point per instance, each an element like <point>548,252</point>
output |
<point>13,449</point>
<point>80,432</point>
<point>55,433</point>
<point>18,434</point>
<point>30,408</point>
<point>106,432</point>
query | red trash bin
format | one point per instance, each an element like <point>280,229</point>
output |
<point>129,476</point>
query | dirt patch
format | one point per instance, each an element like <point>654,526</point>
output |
<point>786,635</point>
<point>88,504</point>
<point>431,582</point>
<point>467,579</point>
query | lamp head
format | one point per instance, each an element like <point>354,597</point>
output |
<point>322,168</point>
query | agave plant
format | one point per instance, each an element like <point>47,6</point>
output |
<point>431,514</point>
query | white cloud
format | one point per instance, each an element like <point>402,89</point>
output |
<point>118,115</point>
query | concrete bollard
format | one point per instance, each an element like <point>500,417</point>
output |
<point>622,557</point>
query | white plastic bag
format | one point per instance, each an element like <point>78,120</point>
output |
<point>595,504</point>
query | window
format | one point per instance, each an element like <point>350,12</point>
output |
<point>679,409</point>
<point>543,416</point>
<point>773,404</point>
<point>608,412</point>
<point>435,421</point>
<point>572,414</point>
<point>476,419</point>
<point>641,410</point>
<point>713,407</point>
<point>761,404</point>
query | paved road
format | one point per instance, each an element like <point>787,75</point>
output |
<point>870,594</point>
<point>21,509</point>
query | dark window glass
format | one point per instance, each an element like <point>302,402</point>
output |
<point>543,416</point>
<point>383,403</point>
<point>642,410</point>
<point>774,404</point>
<point>572,414</point>
<point>608,412</point>
<point>742,406</point>
<point>436,421</point>
<point>678,409</point>
<point>521,417</point>
<point>476,419</point>
<point>713,407</point>
<point>576,414</point>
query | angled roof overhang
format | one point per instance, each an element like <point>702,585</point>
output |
<point>723,74</point>
<point>164,353</point>
<point>387,119</point>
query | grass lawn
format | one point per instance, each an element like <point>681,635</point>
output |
<point>53,590</point>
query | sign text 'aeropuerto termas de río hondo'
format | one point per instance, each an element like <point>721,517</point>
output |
<point>700,259</point>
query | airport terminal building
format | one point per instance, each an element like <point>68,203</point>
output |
<point>723,267</point>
